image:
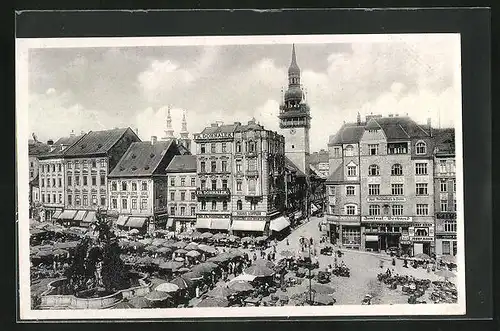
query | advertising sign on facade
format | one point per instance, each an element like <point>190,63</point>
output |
<point>402,219</point>
<point>249,213</point>
<point>214,136</point>
<point>386,198</point>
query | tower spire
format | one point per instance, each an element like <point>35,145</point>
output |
<point>184,130</point>
<point>169,132</point>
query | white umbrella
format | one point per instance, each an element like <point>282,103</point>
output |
<point>167,287</point>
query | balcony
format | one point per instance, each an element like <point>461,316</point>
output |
<point>206,193</point>
<point>251,154</point>
<point>252,173</point>
<point>252,194</point>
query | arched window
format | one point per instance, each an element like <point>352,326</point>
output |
<point>397,170</point>
<point>239,205</point>
<point>238,147</point>
<point>349,150</point>
<point>421,148</point>
<point>373,170</point>
<point>251,146</point>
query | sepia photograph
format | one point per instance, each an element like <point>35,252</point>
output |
<point>181,177</point>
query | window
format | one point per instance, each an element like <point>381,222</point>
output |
<point>172,196</point>
<point>144,186</point>
<point>224,166</point>
<point>421,189</point>
<point>70,165</point>
<point>444,205</point>
<point>134,203</point>
<point>144,204</point>
<point>60,198</point>
<point>53,167</point>
<point>103,163</point>
<point>373,149</point>
<point>336,152</point>
<point>54,198</point>
<point>77,180</point>
<point>212,148</point>
<point>69,180</point>
<point>214,184</point>
<point>43,198</point>
<point>443,186</point>
<point>77,164</point>
<point>349,150</point>
<point>183,196</point>
<point>193,181</point>
<point>59,167</point>
<point>94,200</point>
<point>397,148</point>
<point>238,165</point>
<point>202,149</point>
<point>332,190</point>
<point>350,190</point>
<point>124,186</point>
<point>454,205</point>
<point>85,178</point>
<point>420,168</point>
<point>213,166</point>
<point>94,180</point>
<point>373,210</point>
<point>193,196</point>
<point>203,183</point>
<point>253,205</point>
<point>85,165</point>
<point>224,205</point>
<point>48,198</point>
<point>450,226</point>
<point>70,199</point>
<point>397,170</point>
<point>422,209</point>
<point>103,179</point>
<point>223,147</point>
<point>373,189</point>
<point>85,200</point>
<point>114,203</point>
<point>124,203</point>
<point>77,200</point>
<point>350,210</point>
<point>454,185</point>
<point>238,147</point>
<point>53,182</point>
<point>446,247</point>
<point>421,148</point>
<point>238,186</point>
<point>351,171</point>
<point>203,205</point>
<point>397,189</point>
<point>251,185</point>
<point>193,210</point>
<point>373,170</point>
<point>332,209</point>
<point>202,166</point>
<point>224,183</point>
<point>103,200</point>
<point>172,210</point>
<point>94,164</point>
<point>134,186</point>
<point>214,205</point>
<point>183,211</point>
<point>172,181</point>
<point>239,205</point>
<point>452,166</point>
<point>442,165</point>
<point>397,210</point>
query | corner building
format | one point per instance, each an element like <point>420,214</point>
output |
<point>384,177</point>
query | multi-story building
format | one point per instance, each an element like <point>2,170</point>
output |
<point>381,187</point>
<point>138,185</point>
<point>320,161</point>
<point>182,201</point>
<point>445,199</point>
<point>184,139</point>
<point>241,177</point>
<point>51,177</point>
<point>35,148</point>
<point>87,164</point>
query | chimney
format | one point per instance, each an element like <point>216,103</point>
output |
<point>153,140</point>
<point>429,125</point>
<point>72,134</point>
<point>136,131</point>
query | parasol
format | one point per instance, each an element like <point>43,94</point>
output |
<point>206,235</point>
<point>180,251</point>
<point>192,276</point>
<point>158,242</point>
<point>204,268</point>
<point>445,274</point>
<point>220,292</point>
<point>213,302</point>
<point>151,248</point>
<point>247,240</point>
<point>259,271</point>
<point>233,238</point>
<point>139,302</point>
<point>171,265</point>
<point>219,236</point>
<point>261,238</point>
<point>167,287</point>
<point>240,286</point>
<point>320,289</point>
<point>265,263</point>
<point>286,254</point>
<point>146,241</point>
<point>134,231</point>
<point>44,253</point>
<point>179,245</point>
<point>449,259</point>
<point>243,277</point>
<point>193,253</point>
<point>191,246</point>
<point>164,250</point>
<point>182,283</point>
<point>179,259</point>
<point>324,300</point>
<point>59,252</point>
<point>157,296</point>
<point>183,270</point>
<point>422,256</point>
<point>123,305</point>
<point>207,249</point>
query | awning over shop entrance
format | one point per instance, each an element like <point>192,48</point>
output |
<point>314,208</point>
<point>136,222</point>
<point>57,213</point>
<point>371,238</point>
<point>80,215</point>
<point>257,226</point>
<point>67,214</point>
<point>203,223</point>
<point>170,222</point>
<point>219,224</point>
<point>279,224</point>
<point>122,219</point>
<point>90,218</point>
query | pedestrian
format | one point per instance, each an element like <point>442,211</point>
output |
<point>269,257</point>
<point>254,256</point>
<point>381,264</point>
<point>335,261</point>
<point>405,263</point>
<point>311,241</point>
<point>287,242</point>
<point>393,261</point>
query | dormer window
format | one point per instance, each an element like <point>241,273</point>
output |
<point>421,148</point>
<point>349,150</point>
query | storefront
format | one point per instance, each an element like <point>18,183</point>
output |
<point>446,233</point>
<point>213,222</point>
<point>351,236</point>
<point>279,226</point>
<point>381,233</point>
<point>422,238</point>
<point>249,223</point>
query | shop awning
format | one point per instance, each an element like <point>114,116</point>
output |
<point>57,213</point>
<point>220,224</point>
<point>90,218</point>
<point>371,238</point>
<point>170,222</point>
<point>203,223</point>
<point>314,208</point>
<point>80,215</point>
<point>257,226</point>
<point>122,219</point>
<point>279,224</point>
<point>136,222</point>
<point>67,214</point>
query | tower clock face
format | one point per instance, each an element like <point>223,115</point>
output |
<point>292,131</point>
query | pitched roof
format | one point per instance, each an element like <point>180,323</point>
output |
<point>318,157</point>
<point>182,163</point>
<point>141,159</point>
<point>96,142</point>
<point>235,127</point>
<point>348,134</point>
<point>291,166</point>
<point>444,140</point>
<point>337,175</point>
<point>315,172</point>
<point>61,146</point>
<point>37,148</point>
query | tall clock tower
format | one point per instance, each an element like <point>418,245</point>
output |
<point>295,119</point>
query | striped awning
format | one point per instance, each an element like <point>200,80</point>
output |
<point>57,213</point>
<point>136,222</point>
<point>220,224</point>
<point>90,218</point>
<point>80,215</point>
<point>203,223</point>
<point>67,214</point>
<point>279,224</point>
<point>257,226</point>
<point>122,219</point>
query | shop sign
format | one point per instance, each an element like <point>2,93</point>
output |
<point>405,242</point>
<point>212,136</point>
<point>447,236</point>
<point>214,216</point>
<point>405,237</point>
<point>402,219</point>
<point>249,213</point>
<point>446,216</point>
<point>386,198</point>
<point>420,239</point>
<point>249,218</point>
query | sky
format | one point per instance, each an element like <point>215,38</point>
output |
<point>83,88</point>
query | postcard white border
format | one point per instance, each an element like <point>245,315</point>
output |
<point>22,135</point>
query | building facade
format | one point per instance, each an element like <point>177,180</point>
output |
<point>138,185</point>
<point>445,199</point>
<point>320,161</point>
<point>182,201</point>
<point>381,188</point>
<point>35,148</point>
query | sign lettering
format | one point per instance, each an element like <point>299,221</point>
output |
<point>249,213</point>
<point>217,135</point>
<point>403,219</point>
<point>384,198</point>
